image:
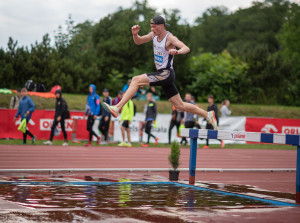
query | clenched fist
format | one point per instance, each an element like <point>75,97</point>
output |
<point>135,29</point>
<point>173,52</point>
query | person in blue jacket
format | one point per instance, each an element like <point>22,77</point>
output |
<point>25,110</point>
<point>92,110</point>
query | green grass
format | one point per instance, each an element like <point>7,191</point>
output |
<point>78,101</point>
<point>160,145</point>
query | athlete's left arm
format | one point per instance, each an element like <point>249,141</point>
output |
<point>183,49</point>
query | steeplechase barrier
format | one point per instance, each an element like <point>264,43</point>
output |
<point>258,137</point>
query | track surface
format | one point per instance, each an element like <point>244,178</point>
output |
<point>27,157</point>
<point>50,157</point>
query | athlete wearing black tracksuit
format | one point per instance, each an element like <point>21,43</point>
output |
<point>61,109</point>
<point>151,113</point>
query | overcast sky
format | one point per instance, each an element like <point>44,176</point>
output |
<point>28,20</point>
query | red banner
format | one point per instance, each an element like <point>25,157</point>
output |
<point>40,124</point>
<point>273,125</point>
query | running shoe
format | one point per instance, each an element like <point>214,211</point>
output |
<point>128,145</point>
<point>103,143</point>
<point>122,144</point>
<point>205,147</point>
<point>212,120</point>
<point>145,145</point>
<point>98,140</point>
<point>33,139</point>
<point>88,144</point>
<point>65,144</point>
<point>156,141</point>
<point>222,144</point>
<point>113,110</point>
<point>48,142</point>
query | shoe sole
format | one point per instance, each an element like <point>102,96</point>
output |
<point>108,109</point>
<point>214,121</point>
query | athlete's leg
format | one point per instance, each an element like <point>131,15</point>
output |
<point>187,107</point>
<point>137,81</point>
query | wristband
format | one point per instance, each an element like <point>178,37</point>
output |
<point>134,34</point>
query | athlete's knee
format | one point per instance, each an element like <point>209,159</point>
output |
<point>137,80</point>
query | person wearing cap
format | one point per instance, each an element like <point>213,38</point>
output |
<point>61,109</point>
<point>165,46</point>
<point>105,120</point>
<point>15,100</point>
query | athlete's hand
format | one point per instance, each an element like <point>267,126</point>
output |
<point>173,52</point>
<point>58,118</point>
<point>95,116</point>
<point>135,29</point>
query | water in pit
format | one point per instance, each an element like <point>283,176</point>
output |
<point>86,203</point>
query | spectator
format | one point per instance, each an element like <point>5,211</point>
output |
<point>212,107</point>
<point>151,113</point>
<point>25,110</point>
<point>104,122</point>
<point>92,110</point>
<point>152,90</point>
<point>126,86</point>
<point>177,116</point>
<point>225,112</point>
<point>126,116</point>
<point>196,118</point>
<point>189,117</point>
<point>117,99</point>
<point>15,100</point>
<point>61,113</point>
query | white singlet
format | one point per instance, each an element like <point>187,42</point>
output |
<point>162,59</point>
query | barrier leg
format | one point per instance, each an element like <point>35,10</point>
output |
<point>193,158</point>
<point>298,176</point>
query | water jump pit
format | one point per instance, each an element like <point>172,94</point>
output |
<point>105,200</point>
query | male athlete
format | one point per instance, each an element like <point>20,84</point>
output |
<point>165,46</point>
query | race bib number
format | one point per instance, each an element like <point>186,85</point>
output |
<point>158,58</point>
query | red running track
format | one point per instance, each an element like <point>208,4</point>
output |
<point>44,157</point>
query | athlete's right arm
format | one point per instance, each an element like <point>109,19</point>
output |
<point>140,39</point>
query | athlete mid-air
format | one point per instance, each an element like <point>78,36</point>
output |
<point>165,46</point>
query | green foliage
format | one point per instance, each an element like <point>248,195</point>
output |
<point>174,155</point>
<point>250,56</point>
<point>218,74</point>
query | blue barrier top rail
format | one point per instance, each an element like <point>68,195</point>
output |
<point>242,136</point>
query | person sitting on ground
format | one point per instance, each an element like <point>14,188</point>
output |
<point>151,113</point>
<point>25,110</point>
<point>212,107</point>
<point>15,100</point>
<point>92,110</point>
<point>61,113</point>
<point>126,116</point>
<point>225,112</point>
<point>105,120</point>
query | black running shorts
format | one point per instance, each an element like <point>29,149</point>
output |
<point>125,124</point>
<point>164,78</point>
